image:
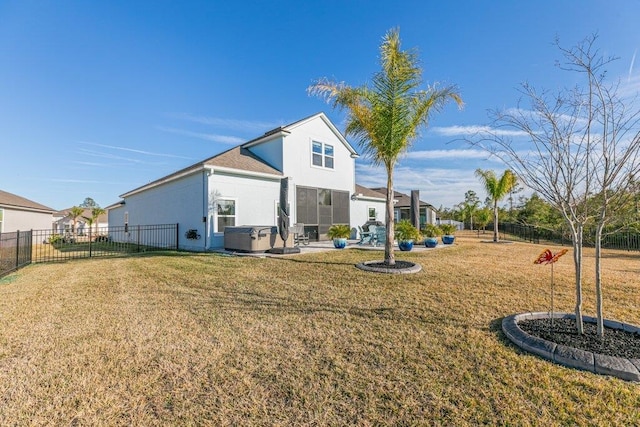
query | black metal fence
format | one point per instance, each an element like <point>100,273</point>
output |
<point>21,248</point>
<point>628,240</point>
<point>15,251</point>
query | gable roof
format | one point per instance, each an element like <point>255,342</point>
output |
<point>402,200</point>
<point>242,160</point>
<point>10,200</point>
<point>368,192</point>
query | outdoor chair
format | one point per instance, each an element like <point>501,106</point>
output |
<point>379,235</point>
<point>365,236</point>
<point>299,236</point>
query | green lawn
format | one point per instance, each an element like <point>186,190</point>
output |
<point>201,339</point>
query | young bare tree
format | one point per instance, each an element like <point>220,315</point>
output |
<point>581,142</point>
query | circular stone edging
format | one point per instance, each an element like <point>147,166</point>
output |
<point>408,270</point>
<point>621,367</point>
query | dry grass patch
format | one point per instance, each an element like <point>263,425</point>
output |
<point>310,340</point>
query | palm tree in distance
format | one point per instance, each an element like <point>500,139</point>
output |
<point>384,117</point>
<point>497,189</point>
<point>74,213</point>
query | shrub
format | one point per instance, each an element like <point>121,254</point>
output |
<point>431,230</point>
<point>55,238</point>
<point>448,229</point>
<point>406,231</point>
<point>339,231</point>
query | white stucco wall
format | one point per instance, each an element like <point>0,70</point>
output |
<point>360,211</point>
<point>270,151</point>
<point>23,220</point>
<point>297,159</point>
<point>256,200</point>
<point>181,202</point>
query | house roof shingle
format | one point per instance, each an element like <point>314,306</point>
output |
<point>403,200</point>
<point>368,192</point>
<point>10,200</point>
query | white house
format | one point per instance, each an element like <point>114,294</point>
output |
<point>241,186</point>
<point>63,221</point>
<point>18,213</point>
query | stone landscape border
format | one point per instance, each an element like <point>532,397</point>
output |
<point>377,269</point>
<point>626,369</point>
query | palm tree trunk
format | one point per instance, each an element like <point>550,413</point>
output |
<point>495,221</point>
<point>389,257</point>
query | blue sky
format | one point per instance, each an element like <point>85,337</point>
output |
<point>97,98</point>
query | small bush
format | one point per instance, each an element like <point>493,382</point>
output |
<point>448,229</point>
<point>431,230</point>
<point>55,238</point>
<point>405,231</point>
<point>339,231</point>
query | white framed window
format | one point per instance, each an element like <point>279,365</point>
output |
<point>225,211</point>
<point>322,155</point>
<point>371,214</point>
<point>1,219</point>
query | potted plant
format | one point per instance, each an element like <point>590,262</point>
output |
<point>339,233</point>
<point>448,231</point>
<point>406,234</point>
<point>431,232</point>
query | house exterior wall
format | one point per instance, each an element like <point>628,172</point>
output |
<point>255,201</point>
<point>297,158</point>
<point>181,201</point>
<point>270,152</point>
<point>23,220</point>
<point>360,211</point>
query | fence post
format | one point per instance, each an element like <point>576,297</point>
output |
<point>30,246</point>
<point>90,227</point>
<point>177,235</point>
<point>17,248</point>
<point>138,239</point>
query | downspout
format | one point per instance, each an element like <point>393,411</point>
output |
<point>205,213</point>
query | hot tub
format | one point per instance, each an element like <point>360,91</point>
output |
<point>253,238</point>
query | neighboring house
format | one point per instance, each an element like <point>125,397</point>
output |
<point>402,208</point>
<point>241,186</point>
<point>63,223</point>
<point>18,213</point>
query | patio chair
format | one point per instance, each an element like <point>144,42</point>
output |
<point>379,235</point>
<point>299,236</point>
<point>365,236</point>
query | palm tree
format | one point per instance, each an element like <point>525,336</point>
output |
<point>384,118</point>
<point>74,213</point>
<point>95,213</point>
<point>497,189</point>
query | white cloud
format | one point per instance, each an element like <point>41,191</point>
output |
<point>232,124</point>
<point>448,154</point>
<point>223,139</point>
<point>132,150</point>
<point>470,130</point>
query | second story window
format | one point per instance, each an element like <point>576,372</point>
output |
<point>321,154</point>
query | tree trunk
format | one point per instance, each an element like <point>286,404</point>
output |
<point>599,309</point>
<point>389,257</point>
<point>495,221</point>
<point>577,261</point>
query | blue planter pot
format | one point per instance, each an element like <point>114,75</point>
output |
<point>340,243</point>
<point>448,239</point>
<point>405,245</point>
<point>431,242</point>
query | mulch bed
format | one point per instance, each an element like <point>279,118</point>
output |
<point>399,265</point>
<point>615,342</point>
